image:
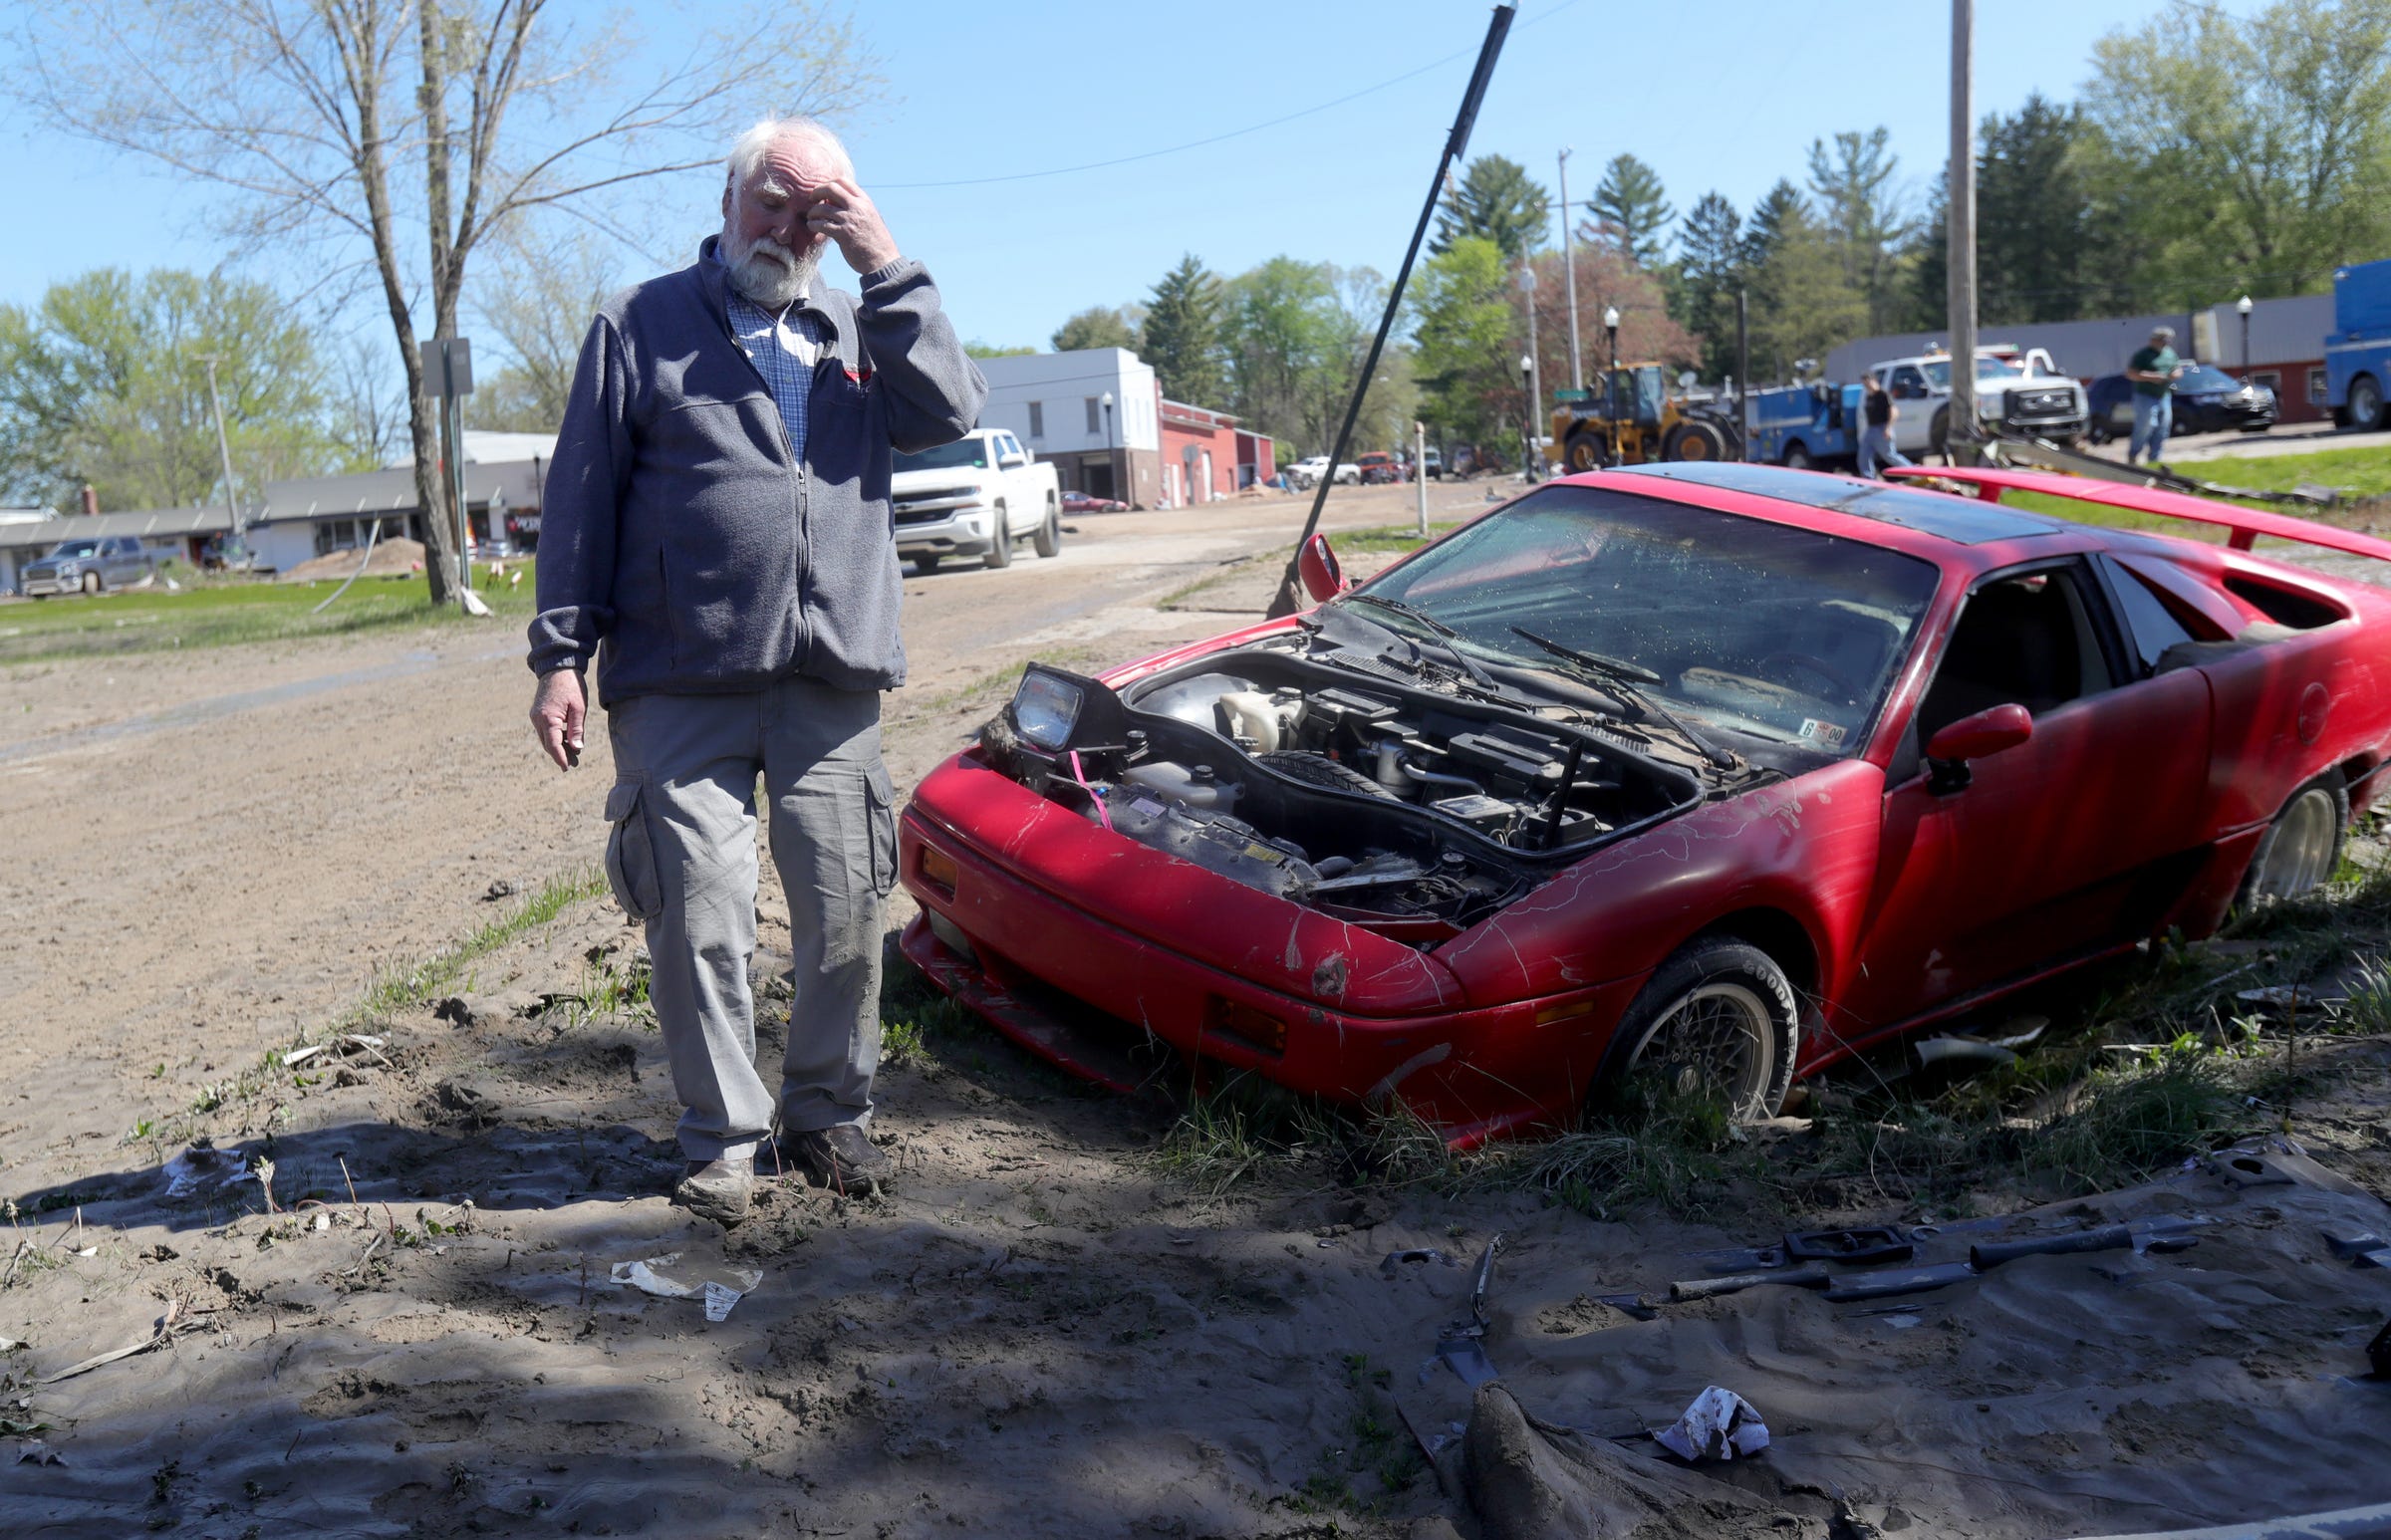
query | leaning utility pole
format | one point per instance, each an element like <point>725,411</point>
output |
<point>1961,432</point>
<point>1577,371</point>
<point>233,502</point>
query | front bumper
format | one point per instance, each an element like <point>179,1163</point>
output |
<point>1069,976</point>
<point>41,585</point>
<point>965,534</point>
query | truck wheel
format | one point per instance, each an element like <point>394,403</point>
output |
<point>1049,537</point>
<point>1716,1019</point>
<point>90,583</point>
<point>926,563</point>
<point>1587,451</point>
<point>1797,457</point>
<point>2365,403</point>
<point>1696,441</point>
<point>1001,549</point>
<point>1938,434</point>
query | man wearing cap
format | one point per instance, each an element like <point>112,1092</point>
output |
<point>717,540</point>
<point>2153,372</point>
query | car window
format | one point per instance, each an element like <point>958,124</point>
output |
<point>963,454</point>
<point>1785,633</point>
<point>2201,377</point>
<point>77,548</point>
<point>2150,626</point>
<point>2031,639</point>
<point>1907,381</point>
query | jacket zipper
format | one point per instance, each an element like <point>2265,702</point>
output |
<point>799,492</point>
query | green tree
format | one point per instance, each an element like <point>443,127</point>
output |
<point>1497,200</point>
<point>1100,326</point>
<point>1802,302</point>
<point>537,291</point>
<point>1183,334</point>
<point>1859,210</point>
<point>976,349</point>
<point>1710,270</point>
<point>2247,152</point>
<point>2044,247</point>
<point>105,383</point>
<point>1631,211</point>
<point>1280,336</point>
<point>1466,364</point>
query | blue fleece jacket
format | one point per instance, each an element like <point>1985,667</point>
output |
<point>682,547</point>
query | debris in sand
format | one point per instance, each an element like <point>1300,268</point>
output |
<point>1720,1425</point>
<point>1462,1345</point>
<point>2363,1247</point>
<point>1393,1262</point>
<point>181,1317</point>
<point>202,1168</point>
<point>667,1277</point>
<point>500,889</point>
<point>35,1452</point>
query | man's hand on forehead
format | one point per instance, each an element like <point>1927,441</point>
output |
<point>839,209</point>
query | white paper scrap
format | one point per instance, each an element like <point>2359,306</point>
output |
<point>1720,1425</point>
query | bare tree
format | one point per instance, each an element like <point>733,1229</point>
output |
<point>310,113</point>
<point>537,292</point>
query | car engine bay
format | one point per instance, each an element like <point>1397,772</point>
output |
<point>1390,797</point>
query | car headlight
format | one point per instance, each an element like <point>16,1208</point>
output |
<point>1045,710</point>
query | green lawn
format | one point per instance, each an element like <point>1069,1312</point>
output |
<point>215,612</point>
<point>2362,476</point>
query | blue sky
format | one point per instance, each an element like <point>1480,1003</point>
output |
<point>1726,96</point>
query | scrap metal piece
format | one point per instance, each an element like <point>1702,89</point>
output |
<point>1865,1246</point>
<point>1466,1356</point>
<point>2363,1247</point>
<point>1630,1304</point>
<point>1915,1280</point>
<point>1461,1345</point>
<point>2142,1234</point>
<point>1707,1288</point>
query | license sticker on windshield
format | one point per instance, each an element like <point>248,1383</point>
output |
<point>1829,734</point>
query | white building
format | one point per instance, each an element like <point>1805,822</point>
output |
<point>1095,415</point>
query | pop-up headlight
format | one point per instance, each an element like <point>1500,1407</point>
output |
<point>1045,710</point>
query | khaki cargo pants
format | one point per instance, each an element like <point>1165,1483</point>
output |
<point>681,858</point>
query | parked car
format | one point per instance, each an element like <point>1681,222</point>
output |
<point>1718,771</point>
<point>1431,464</point>
<point>1379,469</point>
<point>2016,392</point>
<point>1305,473</point>
<point>89,566</point>
<point>1089,502</point>
<point>978,496</point>
<point>2207,401</point>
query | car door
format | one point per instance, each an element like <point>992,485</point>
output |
<point>2076,840</point>
<point>1913,409</point>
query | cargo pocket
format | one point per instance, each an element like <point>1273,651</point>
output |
<point>882,793</point>
<point>630,855</point>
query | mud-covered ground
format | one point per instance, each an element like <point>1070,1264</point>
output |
<point>1049,1329</point>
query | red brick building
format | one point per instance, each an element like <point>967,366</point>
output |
<point>1206,456</point>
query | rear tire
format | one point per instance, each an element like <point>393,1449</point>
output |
<point>1718,1017</point>
<point>1938,433</point>
<point>2365,403</point>
<point>1049,537</point>
<point>1000,554</point>
<point>1797,457</point>
<point>2301,849</point>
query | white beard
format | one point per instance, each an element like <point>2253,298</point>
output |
<point>770,274</point>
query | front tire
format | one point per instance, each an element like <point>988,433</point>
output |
<point>1718,1019</point>
<point>1049,537</point>
<point>1000,554</point>
<point>90,583</point>
<point>2301,849</point>
<point>1797,457</point>
<point>1587,451</point>
<point>2365,403</point>
<point>926,563</point>
<point>1938,433</point>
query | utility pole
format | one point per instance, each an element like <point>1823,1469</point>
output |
<point>1577,370</point>
<point>1742,375</point>
<point>448,365</point>
<point>233,502</point>
<point>1536,402</point>
<point>1962,430</point>
<point>1420,470</point>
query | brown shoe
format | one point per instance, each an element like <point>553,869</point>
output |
<point>841,1158</point>
<point>717,1189</point>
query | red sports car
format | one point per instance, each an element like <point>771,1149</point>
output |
<point>1089,502</point>
<point>1721,771</point>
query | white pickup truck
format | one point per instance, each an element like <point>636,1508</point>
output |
<point>2014,392</point>
<point>975,497</point>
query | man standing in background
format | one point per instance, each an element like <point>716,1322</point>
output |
<point>717,539</point>
<point>2153,372</point>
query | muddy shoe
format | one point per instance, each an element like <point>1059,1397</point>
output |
<point>717,1189</point>
<point>841,1158</point>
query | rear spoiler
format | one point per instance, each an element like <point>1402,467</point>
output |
<point>2247,524</point>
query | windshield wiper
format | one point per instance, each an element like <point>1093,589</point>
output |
<point>1624,678</point>
<point>1453,639</point>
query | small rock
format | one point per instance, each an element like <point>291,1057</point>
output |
<point>457,1012</point>
<point>501,888</point>
<point>348,1075</point>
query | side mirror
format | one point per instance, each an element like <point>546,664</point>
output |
<point>1973,737</point>
<point>1317,566</point>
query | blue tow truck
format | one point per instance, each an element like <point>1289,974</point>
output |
<point>2357,356</point>
<point>1803,426</point>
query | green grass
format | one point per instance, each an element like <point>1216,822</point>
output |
<point>222,612</point>
<point>1391,537</point>
<point>2362,476</point>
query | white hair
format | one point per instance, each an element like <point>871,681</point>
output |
<point>750,151</point>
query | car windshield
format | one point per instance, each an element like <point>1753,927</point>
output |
<point>1939,374</point>
<point>77,548</point>
<point>2201,377</point>
<point>1764,628</point>
<point>970,454</point>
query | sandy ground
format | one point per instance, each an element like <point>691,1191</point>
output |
<point>1038,1335</point>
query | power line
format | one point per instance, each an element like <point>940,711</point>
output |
<point>1217,139</point>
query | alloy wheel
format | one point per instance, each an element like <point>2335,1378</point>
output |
<point>1720,1039</point>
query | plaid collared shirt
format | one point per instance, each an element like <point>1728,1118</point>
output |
<point>783,348</point>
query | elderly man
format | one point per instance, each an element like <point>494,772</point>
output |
<point>716,537</point>
<point>2153,370</point>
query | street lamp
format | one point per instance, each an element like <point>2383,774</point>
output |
<point>1527,391</point>
<point>1610,324</point>
<point>2244,306</point>
<point>1112,461</point>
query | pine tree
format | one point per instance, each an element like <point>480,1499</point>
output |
<point>1860,211</point>
<point>2042,250</point>
<point>1710,269</point>
<point>1496,200</point>
<point>1630,210</point>
<point>1183,334</point>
